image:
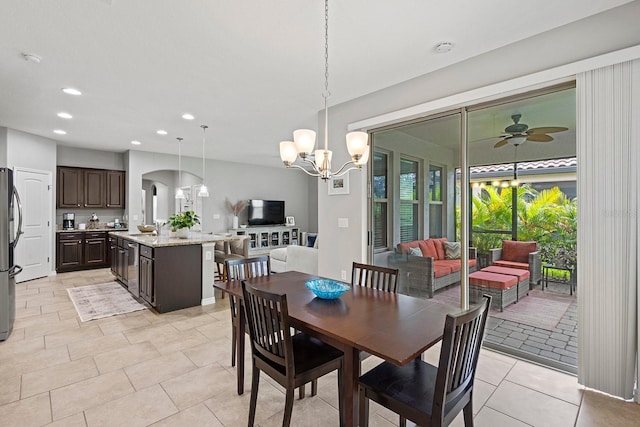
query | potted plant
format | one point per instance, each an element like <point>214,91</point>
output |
<point>182,222</point>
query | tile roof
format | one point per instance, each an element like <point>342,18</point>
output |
<point>540,165</point>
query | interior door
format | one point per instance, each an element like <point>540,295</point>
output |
<point>33,251</point>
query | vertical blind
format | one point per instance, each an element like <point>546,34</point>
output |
<point>408,200</point>
<point>608,151</point>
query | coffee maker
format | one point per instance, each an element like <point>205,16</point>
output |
<point>68,221</point>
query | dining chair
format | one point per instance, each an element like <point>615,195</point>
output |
<point>292,360</point>
<point>426,394</point>
<point>241,269</point>
<point>375,277</point>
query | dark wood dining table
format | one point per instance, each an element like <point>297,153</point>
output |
<point>394,327</point>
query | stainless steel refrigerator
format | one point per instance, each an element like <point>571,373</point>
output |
<point>8,241</point>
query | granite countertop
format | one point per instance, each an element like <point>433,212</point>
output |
<point>101,228</point>
<point>169,239</point>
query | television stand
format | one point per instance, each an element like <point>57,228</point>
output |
<point>264,238</point>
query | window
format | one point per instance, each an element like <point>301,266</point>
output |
<point>436,186</point>
<point>409,200</point>
<point>380,200</point>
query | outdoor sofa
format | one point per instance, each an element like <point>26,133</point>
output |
<point>428,265</point>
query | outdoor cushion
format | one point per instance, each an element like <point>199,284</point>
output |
<point>451,250</point>
<point>428,248</point>
<point>517,272</point>
<point>441,270</point>
<point>492,280</point>
<point>404,247</point>
<point>511,264</point>
<point>517,251</point>
<point>453,264</point>
<point>439,246</point>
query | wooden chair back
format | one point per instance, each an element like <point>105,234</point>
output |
<point>459,353</point>
<point>372,276</point>
<point>242,269</point>
<point>268,324</point>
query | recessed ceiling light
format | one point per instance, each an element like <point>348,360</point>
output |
<point>188,116</point>
<point>60,132</point>
<point>71,91</point>
<point>136,142</point>
<point>65,115</point>
<point>444,47</point>
<point>161,132</point>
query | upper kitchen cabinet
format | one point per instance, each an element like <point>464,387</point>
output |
<point>115,189</point>
<point>90,188</point>
<point>70,188</point>
<point>94,188</point>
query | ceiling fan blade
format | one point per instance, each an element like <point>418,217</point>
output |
<point>547,129</point>
<point>501,143</point>
<point>540,138</point>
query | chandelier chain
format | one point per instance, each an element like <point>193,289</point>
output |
<point>326,50</point>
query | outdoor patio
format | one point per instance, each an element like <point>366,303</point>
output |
<point>541,327</point>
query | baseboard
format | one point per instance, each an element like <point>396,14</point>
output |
<point>208,301</point>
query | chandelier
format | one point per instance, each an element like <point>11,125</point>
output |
<point>304,140</point>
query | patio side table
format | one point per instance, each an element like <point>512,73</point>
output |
<point>546,276</point>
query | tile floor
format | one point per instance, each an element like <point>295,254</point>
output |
<point>174,370</point>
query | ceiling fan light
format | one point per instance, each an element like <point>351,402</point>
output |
<point>305,140</point>
<point>517,140</point>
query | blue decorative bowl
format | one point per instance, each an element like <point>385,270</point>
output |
<point>327,288</point>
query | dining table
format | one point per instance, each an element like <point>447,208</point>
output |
<point>395,327</point>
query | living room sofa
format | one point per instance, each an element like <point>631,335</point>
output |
<point>425,266</point>
<point>294,258</point>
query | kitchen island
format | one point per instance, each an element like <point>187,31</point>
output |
<point>167,272</point>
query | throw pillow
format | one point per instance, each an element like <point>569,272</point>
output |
<point>415,251</point>
<point>452,250</point>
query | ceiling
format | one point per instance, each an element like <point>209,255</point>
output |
<point>251,70</point>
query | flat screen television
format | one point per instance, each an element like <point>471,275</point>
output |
<point>266,212</point>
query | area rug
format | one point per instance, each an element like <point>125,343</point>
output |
<point>103,300</point>
<point>538,309</point>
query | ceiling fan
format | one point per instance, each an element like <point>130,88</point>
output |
<point>518,133</point>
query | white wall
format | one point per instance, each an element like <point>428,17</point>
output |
<point>339,247</point>
<point>235,181</point>
<point>34,152</point>
<point>84,158</point>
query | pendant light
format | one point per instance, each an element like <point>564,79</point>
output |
<point>304,140</point>
<point>179,192</point>
<point>204,192</point>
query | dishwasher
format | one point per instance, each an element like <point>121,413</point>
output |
<point>133,284</point>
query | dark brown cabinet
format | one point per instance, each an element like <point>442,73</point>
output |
<point>81,250</point>
<point>147,290</point>
<point>69,251</point>
<point>90,188</point>
<point>70,188</point>
<point>94,188</point>
<point>113,255</point>
<point>115,191</point>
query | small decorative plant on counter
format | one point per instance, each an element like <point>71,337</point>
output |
<point>182,222</point>
<point>235,209</point>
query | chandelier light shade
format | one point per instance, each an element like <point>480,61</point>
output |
<point>304,140</point>
<point>179,192</point>
<point>204,192</point>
